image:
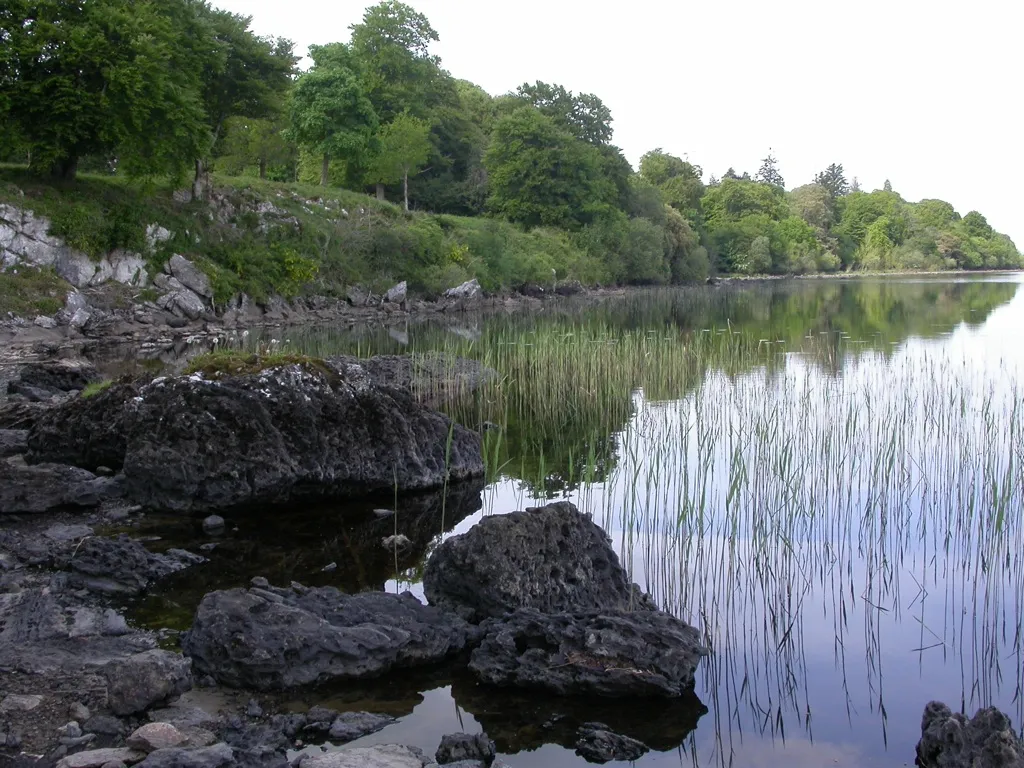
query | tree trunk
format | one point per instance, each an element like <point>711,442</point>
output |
<point>263,167</point>
<point>325,170</point>
<point>380,191</point>
<point>199,183</point>
<point>405,187</point>
<point>65,169</point>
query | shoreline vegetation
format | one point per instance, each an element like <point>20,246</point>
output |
<point>275,181</point>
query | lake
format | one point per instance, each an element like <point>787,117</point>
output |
<point>823,476</point>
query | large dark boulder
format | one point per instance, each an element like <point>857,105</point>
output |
<point>13,442</point>
<point>950,740</point>
<point>432,378</point>
<point>140,681</point>
<point>300,431</point>
<point>54,378</point>
<point>270,639</point>
<point>639,653</point>
<point>549,558</point>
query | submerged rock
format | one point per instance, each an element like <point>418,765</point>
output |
<point>950,740</point>
<point>550,559</point>
<point>190,444</point>
<point>382,756</point>
<point>640,653</point>
<point>464,746</point>
<point>270,639</point>
<point>123,566</point>
<point>595,743</point>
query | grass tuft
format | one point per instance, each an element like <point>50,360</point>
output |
<point>233,362</point>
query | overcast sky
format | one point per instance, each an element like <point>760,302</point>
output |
<point>925,93</point>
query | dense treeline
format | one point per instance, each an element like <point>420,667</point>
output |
<point>177,87</point>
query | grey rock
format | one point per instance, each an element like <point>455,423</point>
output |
<point>13,441</point>
<point>350,726</point>
<point>155,235</point>
<point>97,758</point>
<point>128,269</point>
<point>79,712</point>
<point>190,276</point>
<point>950,740</point>
<point>153,736</point>
<point>468,290</point>
<point>75,267</point>
<point>80,318</point>
<point>165,282</point>
<point>34,489</point>
<point>381,756</point>
<point>213,524</point>
<point>105,725</point>
<point>71,730</point>
<point>115,764</point>
<point>640,653</point>
<point>464,746</point>
<point>270,639</point>
<point>75,301</point>
<point>183,302</point>
<point>204,757</point>
<point>397,294</point>
<point>356,296</point>
<point>184,717</point>
<point>570,288</point>
<point>45,322</point>
<point>393,542</point>
<point>595,743</point>
<point>18,702</point>
<point>137,683</point>
<point>550,559</point>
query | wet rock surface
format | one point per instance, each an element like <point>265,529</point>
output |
<point>13,441</point>
<point>596,743</point>
<point>266,638</point>
<point>951,740</point>
<point>124,566</point>
<point>550,559</point>
<point>639,653</point>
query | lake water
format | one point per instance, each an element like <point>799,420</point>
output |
<point>824,477</point>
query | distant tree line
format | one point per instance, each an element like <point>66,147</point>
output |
<point>175,87</point>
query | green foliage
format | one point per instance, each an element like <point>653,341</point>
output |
<point>232,362</point>
<point>99,229</point>
<point>584,116</point>
<point>542,175</point>
<point>679,182</point>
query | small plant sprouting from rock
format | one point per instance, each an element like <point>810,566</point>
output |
<point>95,388</point>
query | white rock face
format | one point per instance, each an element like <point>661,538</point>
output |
<point>397,294</point>
<point>155,234</point>
<point>25,240</point>
<point>468,290</point>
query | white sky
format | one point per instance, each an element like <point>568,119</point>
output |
<point>925,93</point>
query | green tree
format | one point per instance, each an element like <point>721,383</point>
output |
<point>679,181</point>
<point>977,225</point>
<point>815,204</point>
<point>542,175</point>
<point>392,44</point>
<point>330,112</point>
<point>584,115</point>
<point>262,144</point>
<point>887,187</point>
<point>769,172</point>
<point>833,179</point>
<point>403,146</point>
<point>98,77</point>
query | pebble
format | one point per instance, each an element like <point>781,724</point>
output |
<point>71,731</point>
<point>79,712</point>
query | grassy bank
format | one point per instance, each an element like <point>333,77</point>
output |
<point>265,238</point>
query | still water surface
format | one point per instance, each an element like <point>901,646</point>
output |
<point>832,494</point>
